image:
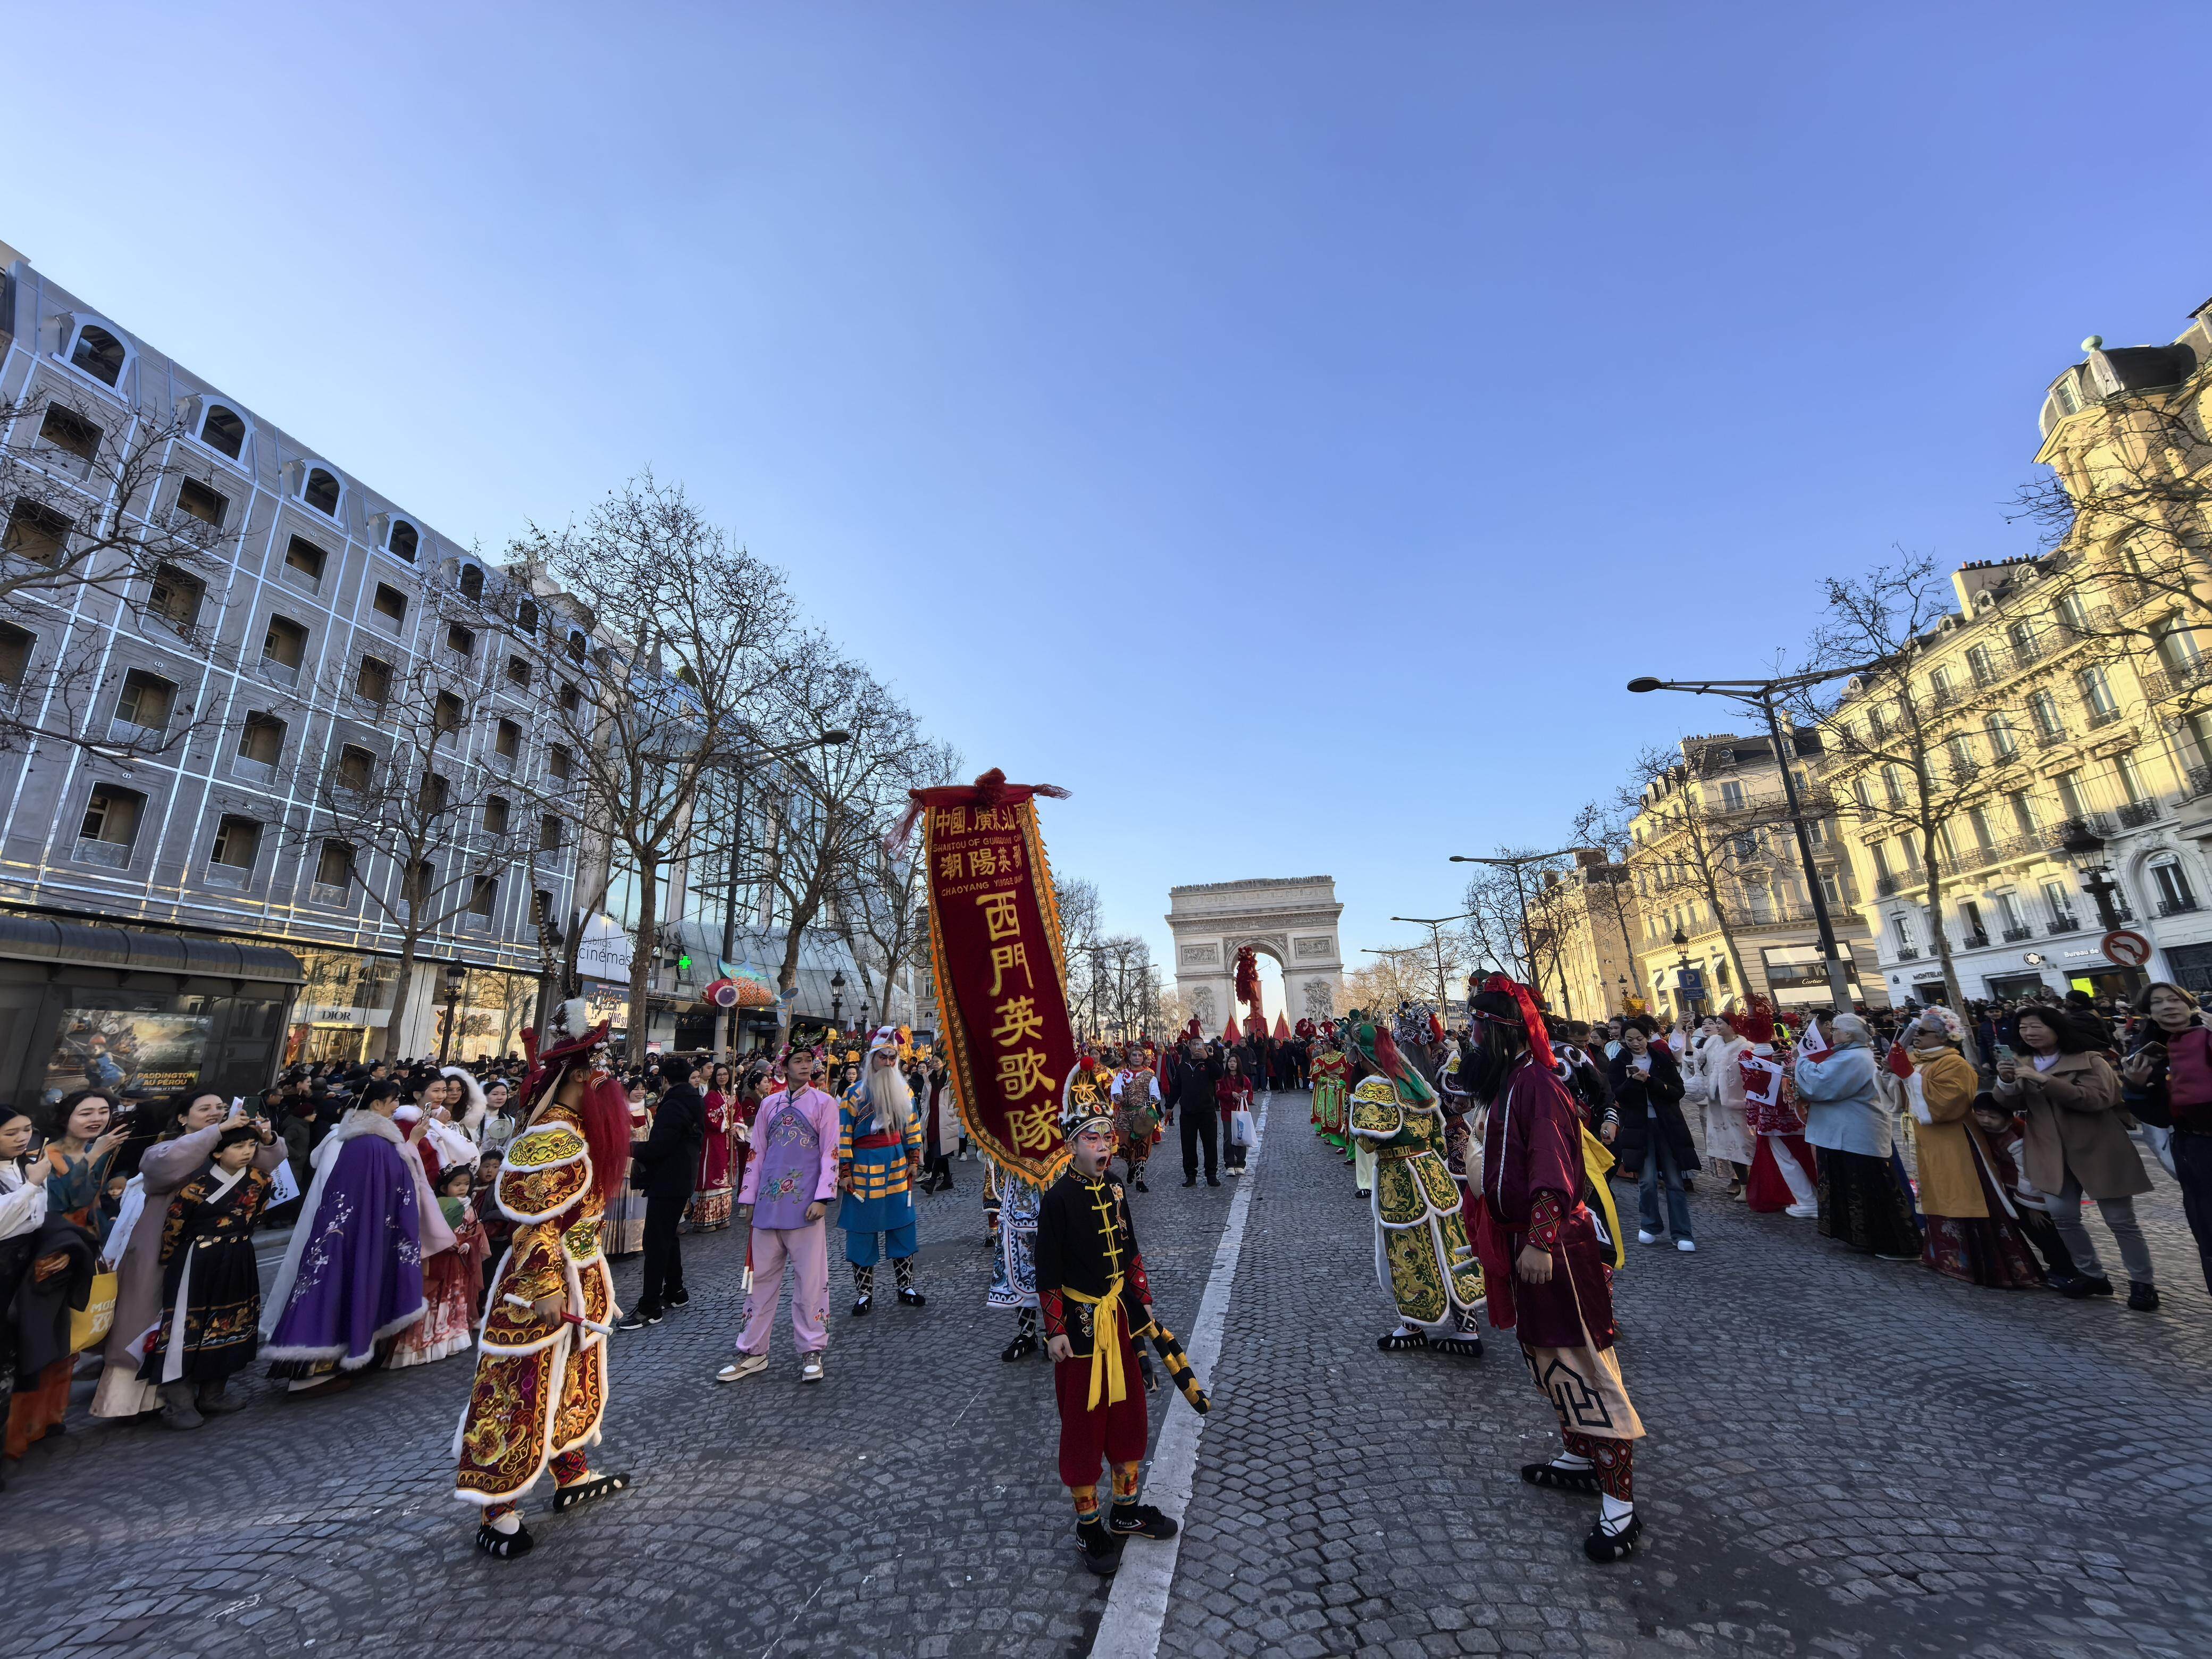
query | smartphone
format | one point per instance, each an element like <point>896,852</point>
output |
<point>2004,1053</point>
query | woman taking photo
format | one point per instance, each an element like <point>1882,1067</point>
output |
<point>2168,1078</point>
<point>2076,1143</point>
<point>1654,1138</point>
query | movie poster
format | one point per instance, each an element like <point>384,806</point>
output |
<point>132,1052</point>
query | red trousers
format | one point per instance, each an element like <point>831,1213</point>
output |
<point>1115,1433</point>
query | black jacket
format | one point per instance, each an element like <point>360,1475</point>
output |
<point>1195,1081</point>
<point>1633,1096</point>
<point>668,1161</point>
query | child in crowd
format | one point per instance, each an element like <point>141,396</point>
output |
<point>498,1229</point>
<point>1232,1094</point>
<point>2004,1133</point>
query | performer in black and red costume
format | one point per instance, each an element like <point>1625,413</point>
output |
<point>1545,1262</point>
<point>1094,1299</point>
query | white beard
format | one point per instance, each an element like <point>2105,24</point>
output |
<point>891,1099</point>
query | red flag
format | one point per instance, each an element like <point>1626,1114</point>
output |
<point>1282,1029</point>
<point>1898,1061</point>
<point>1230,1033</point>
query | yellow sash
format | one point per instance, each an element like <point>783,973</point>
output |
<point>1597,1161</point>
<point>1105,1343</point>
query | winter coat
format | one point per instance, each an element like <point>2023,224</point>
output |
<point>1949,1183</point>
<point>1639,1099</point>
<point>1728,1135</point>
<point>1844,1112</point>
<point>2074,1124</point>
<point>668,1162</point>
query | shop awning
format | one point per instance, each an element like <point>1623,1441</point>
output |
<point>135,950</point>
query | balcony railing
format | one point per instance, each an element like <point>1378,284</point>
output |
<point>2102,717</point>
<point>2199,781</point>
<point>1884,886</point>
<point>2063,925</point>
<point>1978,942</point>
<point>1986,674</point>
<point>227,875</point>
<point>2089,823</point>
<point>108,855</point>
<point>2049,739</point>
<point>2137,813</point>
<point>2175,679</point>
<point>2177,907</point>
<point>2098,620</point>
<point>1908,953</point>
<point>2015,935</point>
<point>2025,656</point>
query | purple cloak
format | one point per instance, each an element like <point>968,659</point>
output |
<point>358,1277</point>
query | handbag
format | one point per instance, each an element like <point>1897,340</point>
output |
<point>1242,1132</point>
<point>90,1324</point>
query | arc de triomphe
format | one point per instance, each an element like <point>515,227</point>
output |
<point>1292,920</point>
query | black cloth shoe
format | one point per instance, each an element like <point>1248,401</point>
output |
<point>676,1298</point>
<point>913,1298</point>
<point>505,1545</point>
<point>1024,1345</point>
<point>638,1319</point>
<point>1139,1521</point>
<point>1553,1478</point>
<point>1100,1549</point>
<point>863,1307</point>
<point>1190,1181</point>
<point>2081,1286</point>
<point>2142,1297</point>
<point>1213,1181</point>
<point>1603,1546</point>
<point>1141,1185</point>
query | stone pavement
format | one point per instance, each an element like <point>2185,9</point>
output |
<point>1847,1458</point>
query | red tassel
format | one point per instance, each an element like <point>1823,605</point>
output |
<point>1539,1043</point>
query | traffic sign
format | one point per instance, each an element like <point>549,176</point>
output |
<point>2126,947</point>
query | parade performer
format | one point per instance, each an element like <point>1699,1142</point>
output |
<point>1330,1073</point>
<point>1092,1290</point>
<point>1013,1260</point>
<point>1137,1114</point>
<point>1782,1169</point>
<point>1248,988</point>
<point>210,1288</point>
<point>878,1163</point>
<point>790,1178</point>
<point>541,1382</point>
<point>1422,1258</point>
<point>1546,1261</point>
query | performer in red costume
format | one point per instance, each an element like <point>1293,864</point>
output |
<point>1247,985</point>
<point>1544,1263</point>
<point>1782,1169</point>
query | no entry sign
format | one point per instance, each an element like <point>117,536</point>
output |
<point>2129,949</point>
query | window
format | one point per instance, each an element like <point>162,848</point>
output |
<point>2043,708</point>
<point>1731,796</point>
<point>2023,813</point>
<point>37,533</point>
<point>403,542</point>
<point>472,581</point>
<point>518,671</point>
<point>433,794</point>
<point>2070,800</point>
<point>1971,914</point>
<point>1982,664</point>
<point>109,825</point>
<point>577,644</point>
<point>2062,906</point>
<point>283,648</point>
<point>549,834</point>
<point>2072,614</point>
<point>483,892</point>
<point>2130,777</point>
<point>98,353</point>
<point>541,907</point>
<point>422,882</point>
<point>526,615</point>
<point>223,431</point>
<point>2021,635</point>
<point>1984,837</point>
<point>2002,742</point>
<point>237,843</point>
<point>458,640</point>
<point>334,864</point>
<point>559,763</point>
<point>496,813</point>
<point>355,767</point>
<point>1830,888</point>
<point>446,715</point>
<point>146,700</point>
<point>2178,650</point>
<point>69,432</point>
<point>206,505</point>
<point>303,563</point>
<point>2175,896</point>
<point>261,739</point>
<point>1910,846</point>
<point>1892,784</point>
<point>373,682</point>
<point>507,742</point>
<point>570,699</point>
<point>14,655</point>
<point>389,604</point>
<point>2069,403</point>
<point>2097,695</point>
<point>321,491</point>
<point>1939,687</point>
<point>1960,749</point>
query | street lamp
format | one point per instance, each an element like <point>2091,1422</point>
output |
<point>1681,944</point>
<point>454,976</point>
<point>1515,865</point>
<point>738,770</point>
<point>2084,849</point>
<point>1760,695</point>
<point>836,998</point>
<point>1624,993</point>
<point>1436,926</point>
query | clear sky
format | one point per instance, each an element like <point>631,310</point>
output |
<point>1286,425</point>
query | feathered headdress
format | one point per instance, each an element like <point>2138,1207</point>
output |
<point>1083,1101</point>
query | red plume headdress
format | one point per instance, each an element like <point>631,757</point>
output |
<point>1539,1043</point>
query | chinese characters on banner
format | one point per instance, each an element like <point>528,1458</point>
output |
<point>995,937</point>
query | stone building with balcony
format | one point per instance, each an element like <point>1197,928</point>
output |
<point>180,801</point>
<point>1720,885</point>
<point>1583,927</point>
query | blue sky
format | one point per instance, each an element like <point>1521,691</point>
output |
<point>1332,405</point>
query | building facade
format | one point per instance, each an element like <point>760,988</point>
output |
<point>1583,927</point>
<point>1720,882</point>
<point>181,793</point>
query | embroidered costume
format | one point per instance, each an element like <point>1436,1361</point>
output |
<point>541,1382</point>
<point>709,1209</point>
<point>878,1156</point>
<point>1330,1073</point>
<point>210,1288</point>
<point>1136,1116</point>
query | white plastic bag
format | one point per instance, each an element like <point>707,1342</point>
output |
<point>1242,1132</point>
<point>1916,1096</point>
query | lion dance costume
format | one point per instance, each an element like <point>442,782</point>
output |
<point>541,1382</point>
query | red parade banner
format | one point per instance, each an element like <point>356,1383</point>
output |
<point>996,943</point>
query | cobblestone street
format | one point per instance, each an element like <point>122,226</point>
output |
<point>1846,1458</point>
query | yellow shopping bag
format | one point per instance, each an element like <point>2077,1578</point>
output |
<point>88,1327</point>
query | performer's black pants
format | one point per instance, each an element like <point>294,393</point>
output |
<point>663,1250</point>
<point>1200,1124</point>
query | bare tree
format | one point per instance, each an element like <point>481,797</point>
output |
<point>105,513</point>
<point>1885,731</point>
<point>690,633</point>
<point>406,807</point>
<point>1605,827</point>
<point>884,920</point>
